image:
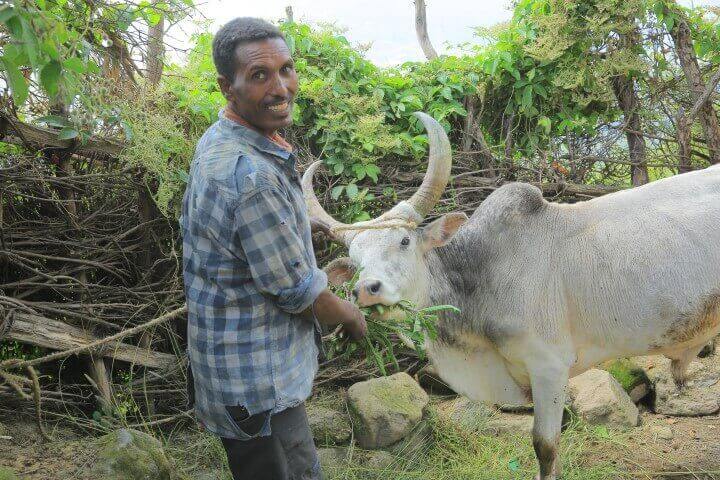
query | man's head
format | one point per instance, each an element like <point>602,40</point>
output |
<point>256,72</point>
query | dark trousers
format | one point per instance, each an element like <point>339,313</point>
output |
<point>287,454</point>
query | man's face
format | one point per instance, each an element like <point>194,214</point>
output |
<point>264,86</point>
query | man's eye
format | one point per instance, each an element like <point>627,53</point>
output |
<point>288,68</point>
<point>405,241</point>
<point>259,75</point>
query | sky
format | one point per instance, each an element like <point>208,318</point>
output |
<point>388,25</point>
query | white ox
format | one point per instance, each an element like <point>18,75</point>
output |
<point>546,290</point>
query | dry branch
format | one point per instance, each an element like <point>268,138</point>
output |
<point>56,335</point>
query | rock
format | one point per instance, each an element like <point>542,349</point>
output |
<point>474,417</point>
<point>662,432</point>
<point>386,409</point>
<point>329,427</point>
<point>378,460</point>
<point>3,430</point>
<point>7,473</point>
<point>698,397</point>
<point>639,392</point>
<point>332,459</point>
<point>509,424</point>
<point>599,399</point>
<point>131,455</point>
<point>631,377</point>
<point>467,415</point>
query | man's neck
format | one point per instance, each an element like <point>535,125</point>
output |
<point>230,114</point>
<point>273,136</point>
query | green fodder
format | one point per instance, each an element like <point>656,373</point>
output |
<point>452,454</point>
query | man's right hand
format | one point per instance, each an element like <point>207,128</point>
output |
<point>332,310</point>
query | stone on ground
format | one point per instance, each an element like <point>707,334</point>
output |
<point>131,455</point>
<point>474,417</point>
<point>699,396</point>
<point>385,410</point>
<point>633,379</point>
<point>329,427</point>
<point>599,399</point>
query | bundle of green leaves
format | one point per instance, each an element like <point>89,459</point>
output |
<point>389,328</point>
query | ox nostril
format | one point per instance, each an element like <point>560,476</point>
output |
<point>374,288</point>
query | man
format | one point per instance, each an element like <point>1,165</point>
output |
<point>254,292</point>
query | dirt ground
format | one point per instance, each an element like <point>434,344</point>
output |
<point>661,447</point>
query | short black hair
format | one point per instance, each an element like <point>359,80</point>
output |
<point>235,32</point>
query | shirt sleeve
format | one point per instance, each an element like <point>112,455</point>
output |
<point>275,251</point>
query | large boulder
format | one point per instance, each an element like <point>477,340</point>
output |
<point>329,427</point>
<point>386,409</point>
<point>131,455</point>
<point>698,397</point>
<point>599,399</point>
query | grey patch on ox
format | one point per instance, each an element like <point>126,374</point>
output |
<point>694,324</point>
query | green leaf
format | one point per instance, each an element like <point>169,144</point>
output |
<point>545,123</point>
<point>54,121</point>
<point>514,465</point>
<point>18,84</point>
<point>6,13</point>
<point>438,308</point>
<point>49,77</point>
<point>68,133</point>
<point>351,191</point>
<point>337,191</point>
<point>75,64</point>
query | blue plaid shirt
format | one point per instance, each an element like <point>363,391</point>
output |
<point>249,270</point>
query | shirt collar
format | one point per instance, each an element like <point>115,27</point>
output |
<point>274,146</point>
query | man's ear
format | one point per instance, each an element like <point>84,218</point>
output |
<point>339,271</point>
<point>224,85</point>
<point>439,232</point>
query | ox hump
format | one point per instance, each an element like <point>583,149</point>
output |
<point>514,202</point>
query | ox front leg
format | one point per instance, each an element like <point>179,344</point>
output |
<point>548,382</point>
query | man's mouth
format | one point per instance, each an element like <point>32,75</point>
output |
<point>279,107</point>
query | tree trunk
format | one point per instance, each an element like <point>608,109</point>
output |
<point>421,29</point>
<point>624,89</point>
<point>708,119</point>
<point>156,51</point>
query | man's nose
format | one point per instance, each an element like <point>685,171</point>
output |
<point>278,87</point>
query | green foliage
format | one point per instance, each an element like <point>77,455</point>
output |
<point>59,41</point>
<point>388,328</point>
<point>10,349</point>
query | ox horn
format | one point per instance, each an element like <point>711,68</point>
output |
<point>317,212</point>
<point>438,170</point>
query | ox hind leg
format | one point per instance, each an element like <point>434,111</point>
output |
<point>548,379</point>
<point>680,362</point>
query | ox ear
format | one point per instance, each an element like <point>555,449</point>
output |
<point>439,232</point>
<point>339,271</point>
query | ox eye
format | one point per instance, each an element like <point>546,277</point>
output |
<point>405,241</point>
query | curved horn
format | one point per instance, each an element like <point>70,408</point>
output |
<point>438,170</point>
<point>316,211</point>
